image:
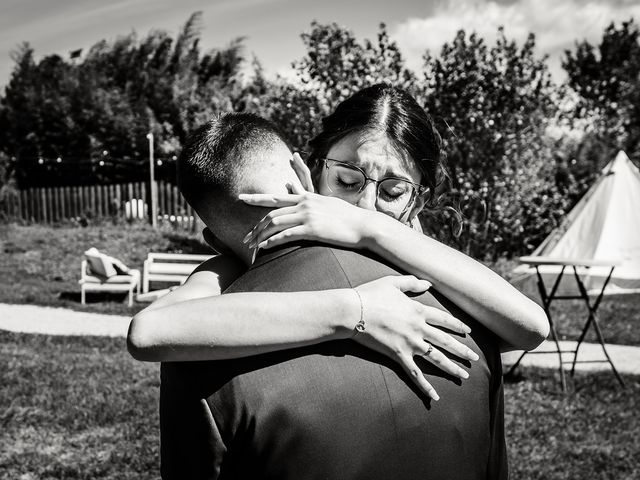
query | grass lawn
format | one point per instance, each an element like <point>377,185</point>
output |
<point>73,407</point>
<point>41,265</point>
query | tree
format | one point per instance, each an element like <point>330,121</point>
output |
<point>86,121</point>
<point>606,80</point>
<point>493,104</point>
<point>335,66</point>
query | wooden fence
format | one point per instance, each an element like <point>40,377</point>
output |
<point>129,200</point>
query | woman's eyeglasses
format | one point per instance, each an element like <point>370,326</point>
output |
<point>394,194</point>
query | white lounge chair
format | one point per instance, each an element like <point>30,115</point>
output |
<point>102,273</point>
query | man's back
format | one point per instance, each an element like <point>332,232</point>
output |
<point>335,410</point>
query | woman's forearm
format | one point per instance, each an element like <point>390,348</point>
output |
<point>241,324</point>
<point>517,320</point>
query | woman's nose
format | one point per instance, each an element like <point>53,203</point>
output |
<point>368,197</point>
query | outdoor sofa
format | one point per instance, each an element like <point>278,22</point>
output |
<point>169,267</point>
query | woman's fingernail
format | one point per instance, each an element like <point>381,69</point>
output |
<point>473,355</point>
<point>463,373</point>
<point>435,396</point>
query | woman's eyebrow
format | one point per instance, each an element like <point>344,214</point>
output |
<point>403,175</point>
<point>390,172</point>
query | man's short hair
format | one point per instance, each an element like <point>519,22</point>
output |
<point>216,152</point>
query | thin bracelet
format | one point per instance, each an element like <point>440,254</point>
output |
<point>360,326</point>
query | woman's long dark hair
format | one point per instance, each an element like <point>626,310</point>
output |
<point>394,112</point>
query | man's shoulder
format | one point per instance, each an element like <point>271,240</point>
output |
<point>226,268</point>
<point>358,266</point>
<point>313,265</point>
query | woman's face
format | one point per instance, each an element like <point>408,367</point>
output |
<point>373,154</point>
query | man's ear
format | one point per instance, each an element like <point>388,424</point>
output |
<point>214,242</point>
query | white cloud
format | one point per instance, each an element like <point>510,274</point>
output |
<point>556,23</point>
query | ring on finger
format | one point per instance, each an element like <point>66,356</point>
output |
<point>429,350</point>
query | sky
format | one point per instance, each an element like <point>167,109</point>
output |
<point>272,27</point>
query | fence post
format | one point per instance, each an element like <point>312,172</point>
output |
<point>153,189</point>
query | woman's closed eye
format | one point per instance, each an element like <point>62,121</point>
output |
<point>348,183</point>
<point>394,190</point>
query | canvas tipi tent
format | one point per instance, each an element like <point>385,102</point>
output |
<point>604,225</point>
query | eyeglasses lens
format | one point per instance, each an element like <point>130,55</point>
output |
<point>393,194</point>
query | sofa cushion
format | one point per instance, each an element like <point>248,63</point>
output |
<point>99,264</point>
<point>131,278</point>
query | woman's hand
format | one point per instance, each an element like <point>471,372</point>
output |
<point>402,328</point>
<point>307,216</point>
<point>303,173</point>
<point>304,215</point>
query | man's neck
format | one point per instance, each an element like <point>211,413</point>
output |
<point>242,251</point>
<point>228,243</point>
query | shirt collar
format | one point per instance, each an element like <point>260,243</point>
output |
<point>266,256</point>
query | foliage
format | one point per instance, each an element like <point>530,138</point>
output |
<point>603,86</point>
<point>607,79</point>
<point>335,66</point>
<point>86,122</point>
<point>493,103</point>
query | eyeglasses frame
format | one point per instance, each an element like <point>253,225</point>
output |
<point>417,188</point>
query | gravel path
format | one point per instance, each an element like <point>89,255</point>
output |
<point>625,358</point>
<point>60,321</point>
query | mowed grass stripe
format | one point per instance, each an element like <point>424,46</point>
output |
<point>73,407</point>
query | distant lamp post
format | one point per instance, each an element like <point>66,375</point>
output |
<point>153,189</point>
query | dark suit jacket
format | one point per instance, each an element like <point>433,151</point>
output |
<point>334,410</point>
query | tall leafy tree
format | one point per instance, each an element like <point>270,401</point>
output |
<point>492,103</point>
<point>606,79</point>
<point>335,66</point>
<point>86,121</point>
